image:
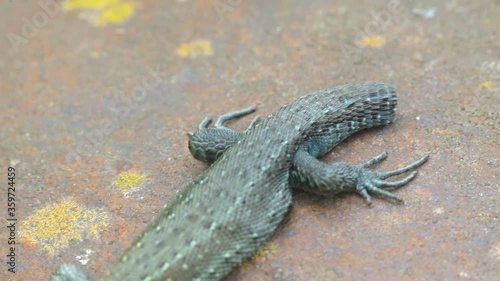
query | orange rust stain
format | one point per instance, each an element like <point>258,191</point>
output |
<point>31,149</point>
<point>446,132</point>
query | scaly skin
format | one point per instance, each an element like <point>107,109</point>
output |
<point>229,211</point>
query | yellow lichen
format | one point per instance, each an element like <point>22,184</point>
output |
<point>55,225</point>
<point>195,48</point>
<point>488,85</point>
<point>101,12</point>
<point>128,180</point>
<point>372,41</point>
<point>260,255</point>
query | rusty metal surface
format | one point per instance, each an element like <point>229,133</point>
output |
<point>94,114</point>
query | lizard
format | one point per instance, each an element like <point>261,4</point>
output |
<point>224,215</point>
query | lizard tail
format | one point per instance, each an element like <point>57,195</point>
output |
<point>355,107</point>
<point>377,106</point>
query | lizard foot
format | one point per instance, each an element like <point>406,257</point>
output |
<point>370,181</point>
<point>219,123</point>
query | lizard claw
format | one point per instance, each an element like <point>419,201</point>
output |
<point>374,182</point>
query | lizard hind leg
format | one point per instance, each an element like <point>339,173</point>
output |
<point>236,114</point>
<point>312,175</point>
<point>232,115</point>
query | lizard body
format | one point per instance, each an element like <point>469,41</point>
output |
<point>228,212</point>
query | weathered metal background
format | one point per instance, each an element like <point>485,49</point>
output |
<point>97,97</point>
